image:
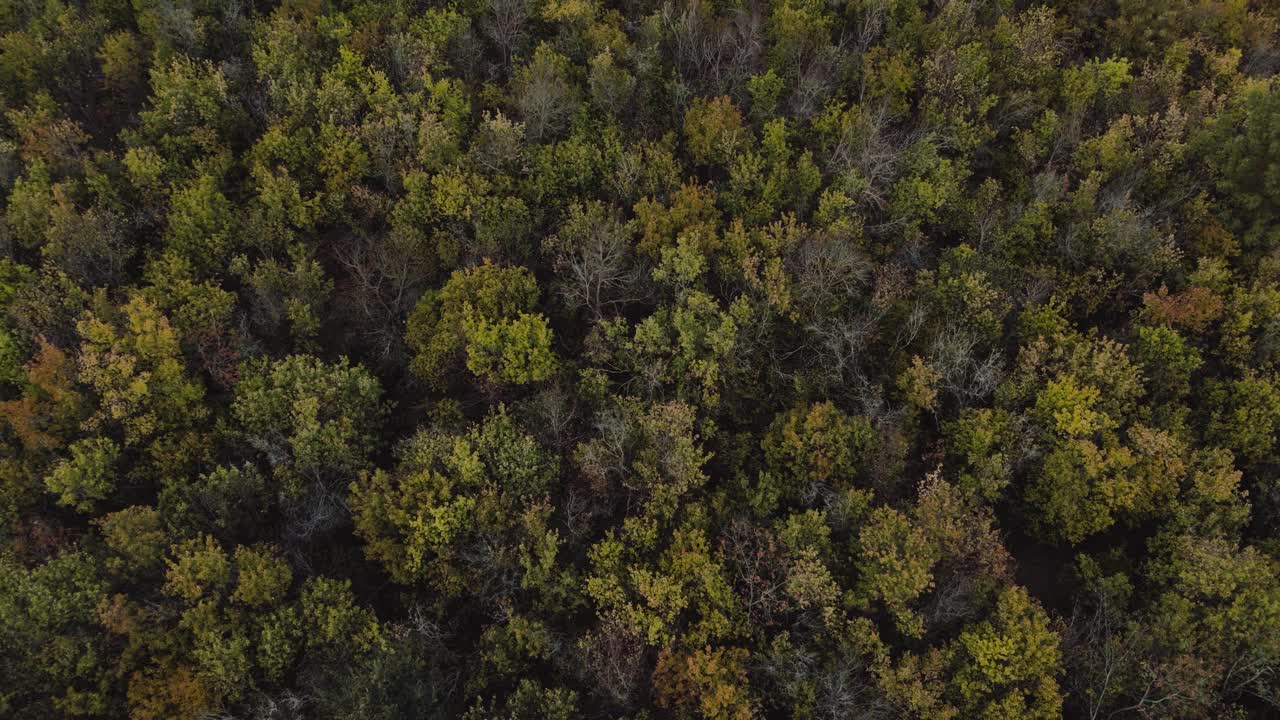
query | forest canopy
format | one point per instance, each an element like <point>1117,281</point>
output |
<point>639,359</point>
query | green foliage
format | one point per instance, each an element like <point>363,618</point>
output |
<point>1008,667</point>
<point>713,130</point>
<point>895,565</point>
<point>811,448</point>
<point>199,568</point>
<point>262,576</point>
<point>313,420</point>
<point>136,536</point>
<point>88,476</point>
<point>1079,490</point>
<point>678,592</point>
<point>484,312</point>
<point>201,227</point>
<point>1245,415</point>
<point>561,359</point>
<point>984,441</point>
<point>449,492</point>
<point>131,358</point>
<point>330,617</point>
<point>1243,148</point>
<point>45,615</point>
<point>515,351</point>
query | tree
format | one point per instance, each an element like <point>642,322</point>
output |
<point>91,246</point>
<point>201,226</point>
<point>515,351</point>
<point>1241,148</point>
<point>228,500</point>
<point>706,682</point>
<point>545,94</point>
<point>650,450</point>
<point>88,476</point>
<point>984,441</point>
<point>316,424</point>
<point>484,311</point>
<point>591,252</point>
<point>1245,414</point>
<point>692,345</point>
<point>452,499</point>
<point>263,576</point>
<point>895,566</point>
<point>50,409</point>
<point>189,112</point>
<point>199,568</point>
<point>713,130</point>
<point>1008,666</point>
<point>665,591</point>
<point>45,614</point>
<point>1208,626</point>
<point>814,450</point>
<point>131,359</point>
<point>137,537</point>
<point>1080,490</point>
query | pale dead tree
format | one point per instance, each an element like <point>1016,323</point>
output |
<point>545,95</point>
<point>846,690</point>
<point>492,566</point>
<point>1159,698</point>
<point>869,25</point>
<point>910,327</point>
<point>614,662</point>
<point>841,345</point>
<point>498,144</point>
<point>966,374</point>
<point>757,566</point>
<point>605,458</point>
<point>319,510</point>
<point>504,24</point>
<point>815,82</point>
<point>551,414</point>
<point>869,152</point>
<point>593,259</point>
<point>285,706</point>
<point>842,687</point>
<point>713,54</point>
<point>954,600</point>
<point>1262,59</point>
<point>580,509</point>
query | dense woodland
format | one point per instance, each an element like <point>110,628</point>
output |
<point>552,359</point>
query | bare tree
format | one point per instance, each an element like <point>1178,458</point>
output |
<point>386,275</point>
<point>614,662</point>
<point>714,55</point>
<point>592,254</point>
<point>504,25</point>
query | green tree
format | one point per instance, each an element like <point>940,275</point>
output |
<point>449,496</point>
<point>1008,666</point>
<point>713,130</point>
<point>88,476</point>
<point>484,312</point>
<point>895,566</point>
<point>131,358</point>
<point>1242,147</point>
<point>1245,414</point>
<point>316,424</point>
